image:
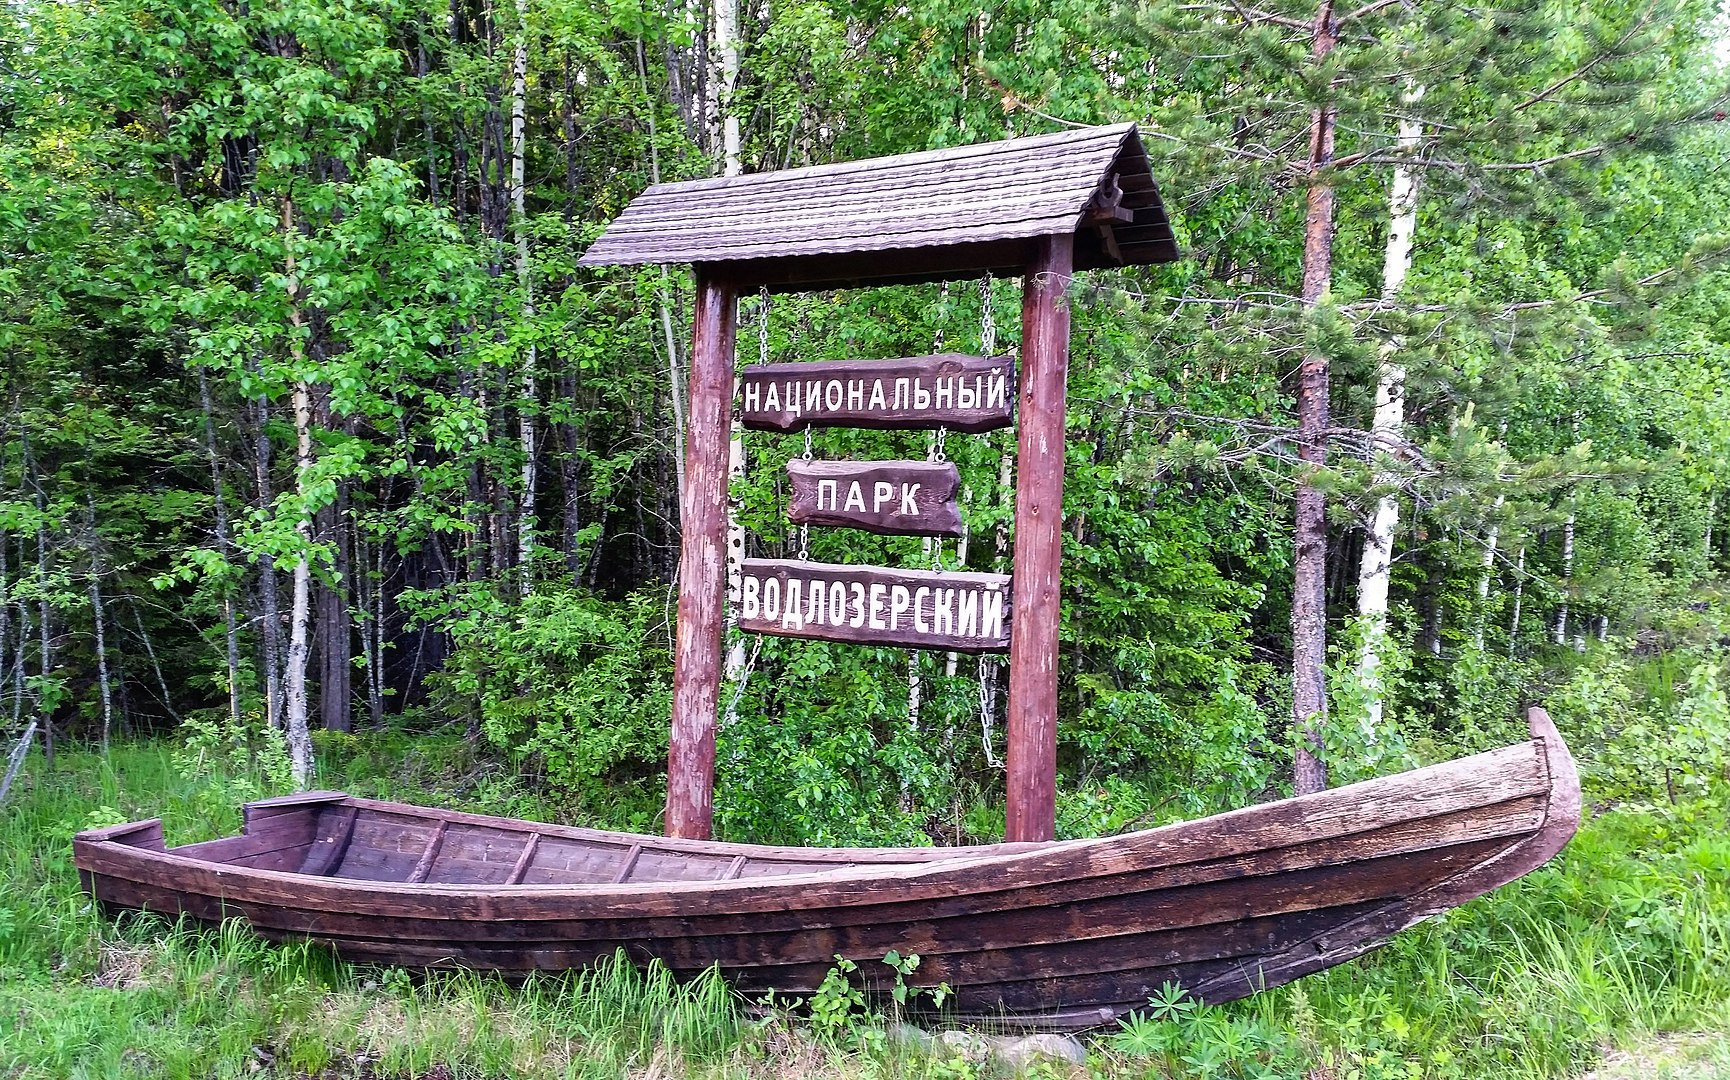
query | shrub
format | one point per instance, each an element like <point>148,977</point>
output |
<point>578,686</point>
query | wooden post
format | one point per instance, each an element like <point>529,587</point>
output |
<point>702,564</point>
<point>1032,722</point>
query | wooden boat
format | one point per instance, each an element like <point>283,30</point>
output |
<point>1068,934</point>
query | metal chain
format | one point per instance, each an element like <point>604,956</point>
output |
<point>987,721</point>
<point>804,543</point>
<point>731,713</point>
<point>943,309</point>
<point>987,320</point>
<point>763,324</point>
<point>807,454</point>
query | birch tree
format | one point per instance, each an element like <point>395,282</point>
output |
<point>1387,427</point>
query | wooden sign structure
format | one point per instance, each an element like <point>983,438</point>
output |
<point>1040,207</point>
<point>962,393</point>
<point>892,498</point>
<point>952,610</point>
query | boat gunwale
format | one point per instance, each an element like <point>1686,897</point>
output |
<point>1545,744</point>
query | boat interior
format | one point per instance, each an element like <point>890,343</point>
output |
<point>328,834</point>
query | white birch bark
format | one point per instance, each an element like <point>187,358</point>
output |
<point>519,217</point>
<point>1519,599</point>
<point>675,384</point>
<point>1387,427</point>
<point>1490,539</point>
<point>294,697</point>
<point>727,49</point>
<point>1559,633</point>
<point>270,614</point>
<point>100,616</point>
<point>727,45</point>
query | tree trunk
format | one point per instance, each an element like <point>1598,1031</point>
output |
<point>99,617</point>
<point>1432,608</point>
<point>1706,541</point>
<point>6,595</point>
<point>570,473</point>
<point>375,632</point>
<point>675,384</point>
<point>727,48</point>
<point>15,760</point>
<point>155,664</point>
<point>1388,427</point>
<point>1560,631</point>
<point>271,638</point>
<point>526,434</point>
<point>727,45</point>
<point>1309,571</point>
<point>299,736</point>
<point>1519,599</point>
<point>335,644</point>
<point>1488,571</point>
<point>45,611</point>
<point>231,636</point>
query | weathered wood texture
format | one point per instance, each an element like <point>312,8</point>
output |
<point>951,610</point>
<point>832,224</point>
<point>1071,934</point>
<point>702,564</point>
<point>1031,760</point>
<point>895,498</point>
<point>953,390</point>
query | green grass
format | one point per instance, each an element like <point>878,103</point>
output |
<point>1700,1056</point>
<point>1623,939</point>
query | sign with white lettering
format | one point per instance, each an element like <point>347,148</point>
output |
<point>896,498</point>
<point>951,610</point>
<point>965,393</point>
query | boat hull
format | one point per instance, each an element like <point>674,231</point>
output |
<point>1063,935</point>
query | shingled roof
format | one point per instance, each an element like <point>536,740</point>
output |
<point>912,217</point>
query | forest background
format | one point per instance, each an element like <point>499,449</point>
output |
<point>320,461</point>
<point>310,420</point>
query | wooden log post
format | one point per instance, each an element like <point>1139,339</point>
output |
<point>1032,719</point>
<point>702,564</point>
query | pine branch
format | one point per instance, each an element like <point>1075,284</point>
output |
<point>1230,151</point>
<point>1250,16</point>
<point>1585,68</point>
<point>1371,9</point>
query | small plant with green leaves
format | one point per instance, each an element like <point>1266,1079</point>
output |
<point>837,1004</point>
<point>902,992</point>
<point>1183,1038</point>
<point>229,763</point>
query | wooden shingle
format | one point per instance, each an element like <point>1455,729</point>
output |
<point>938,214</point>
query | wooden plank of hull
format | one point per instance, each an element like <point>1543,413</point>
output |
<point>1053,960</point>
<point>1061,934</point>
<point>975,951</point>
<point>331,846</point>
<point>840,930</point>
<point>970,880</point>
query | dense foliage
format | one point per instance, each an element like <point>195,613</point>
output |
<point>307,410</point>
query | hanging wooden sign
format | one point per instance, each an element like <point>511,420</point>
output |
<point>951,610</point>
<point>966,393</point>
<point>895,498</point>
